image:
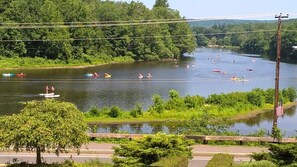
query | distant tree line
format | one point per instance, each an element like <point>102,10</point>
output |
<point>64,30</point>
<point>254,38</point>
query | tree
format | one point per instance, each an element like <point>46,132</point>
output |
<point>44,125</point>
<point>161,3</point>
<point>150,149</point>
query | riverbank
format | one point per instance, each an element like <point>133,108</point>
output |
<point>41,63</point>
<point>255,113</point>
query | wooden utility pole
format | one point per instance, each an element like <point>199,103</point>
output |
<point>278,55</point>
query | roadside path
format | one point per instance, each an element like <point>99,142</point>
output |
<point>201,154</point>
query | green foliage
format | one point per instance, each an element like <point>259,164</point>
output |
<point>262,163</point>
<point>256,97</point>
<point>158,104</point>
<point>262,41</point>
<point>172,162</point>
<point>173,94</point>
<point>280,154</point>
<point>151,149</point>
<point>44,125</point>
<point>194,101</point>
<point>114,112</point>
<point>277,134</point>
<point>80,43</point>
<point>217,107</point>
<point>221,160</point>
<point>137,111</point>
<point>290,94</point>
<point>204,125</point>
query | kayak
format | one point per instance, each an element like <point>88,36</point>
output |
<point>107,76</point>
<point>46,94</point>
<point>51,95</point>
<point>88,75</point>
<point>20,75</point>
<point>7,74</point>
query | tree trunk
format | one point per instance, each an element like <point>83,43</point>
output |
<point>38,157</point>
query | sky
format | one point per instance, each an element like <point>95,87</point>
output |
<point>230,9</point>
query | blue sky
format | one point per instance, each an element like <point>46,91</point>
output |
<point>241,9</point>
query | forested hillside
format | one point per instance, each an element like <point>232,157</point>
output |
<point>84,30</point>
<point>257,38</point>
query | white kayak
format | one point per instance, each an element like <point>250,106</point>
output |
<point>47,95</point>
<point>51,95</point>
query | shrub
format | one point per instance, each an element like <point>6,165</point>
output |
<point>137,111</point>
<point>262,163</point>
<point>173,94</point>
<point>94,112</point>
<point>221,160</point>
<point>114,112</point>
<point>172,162</point>
<point>158,103</point>
<point>290,94</point>
<point>256,98</point>
<point>151,149</point>
<point>194,101</point>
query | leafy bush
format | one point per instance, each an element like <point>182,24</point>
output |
<point>151,149</point>
<point>94,112</point>
<point>173,94</point>
<point>194,101</point>
<point>221,160</point>
<point>137,111</point>
<point>280,154</point>
<point>158,103</point>
<point>172,162</point>
<point>269,96</point>
<point>256,97</point>
<point>290,94</point>
<point>262,163</point>
<point>114,112</point>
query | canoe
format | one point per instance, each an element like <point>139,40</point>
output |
<point>7,74</point>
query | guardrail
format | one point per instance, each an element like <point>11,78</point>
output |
<point>205,139</point>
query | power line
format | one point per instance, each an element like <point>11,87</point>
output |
<point>142,37</point>
<point>22,25</point>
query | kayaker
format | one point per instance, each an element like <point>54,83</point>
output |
<point>52,89</point>
<point>46,89</point>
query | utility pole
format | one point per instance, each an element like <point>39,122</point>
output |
<point>278,54</point>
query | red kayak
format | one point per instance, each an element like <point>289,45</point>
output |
<point>20,75</point>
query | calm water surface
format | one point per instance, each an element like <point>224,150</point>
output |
<point>192,76</point>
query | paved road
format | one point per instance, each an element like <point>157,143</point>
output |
<point>202,154</point>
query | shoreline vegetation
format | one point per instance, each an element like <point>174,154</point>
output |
<point>218,107</point>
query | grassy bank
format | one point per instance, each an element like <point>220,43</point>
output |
<point>10,63</point>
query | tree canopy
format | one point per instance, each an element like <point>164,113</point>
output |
<point>84,30</point>
<point>44,125</point>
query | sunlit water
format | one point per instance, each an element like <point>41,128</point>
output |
<point>191,76</point>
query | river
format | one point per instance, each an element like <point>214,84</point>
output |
<point>190,76</point>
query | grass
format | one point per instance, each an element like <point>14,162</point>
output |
<point>8,63</point>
